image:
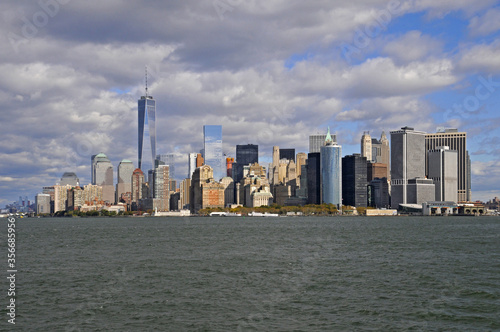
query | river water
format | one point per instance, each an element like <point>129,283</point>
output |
<point>256,274</point>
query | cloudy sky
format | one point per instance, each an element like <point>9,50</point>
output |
<point>270,72</point>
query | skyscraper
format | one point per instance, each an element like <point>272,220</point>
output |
<point>213,150</point>
<point>288,154</point>
<point>381,153</point>
<point>275,167</point>
<point>456,141</point>
<point>366,146</point>
<point>161,190</point>
<point>331,172</point>
<point>124,178</point>
<point>354,180</point>
<point>102,175</point>
<point>146,131</point>
<point>137,184</point>
<point>316,141</point>
<point>443,169</point>
<point>245,155</point>
<point>301,161</point>
<point>408,168</point>
<point>70,178</point>
<point>168,159</point>
<point>191,164</point>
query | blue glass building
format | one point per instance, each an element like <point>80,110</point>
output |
<point>213,155</point>
<point>331,172</point>
<point>147,133</point>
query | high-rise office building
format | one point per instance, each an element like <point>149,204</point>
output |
<point>124,178</point>
<point>378,193</point>
<point>199,161</point>
<point>70,178</point>
<point>185,189</point>
<point>147,131</point>
<point>214,156</point>
<point>456,141</point>
<point>245,155</point>
<point>408,168</point>
<point>381,153</point>
<point>137,185</point>
<point>288,154</point>
<point>42,202</point>
<point>316,141</point>
<point>168,159</point>
<point>301,161</point>
<point>443,169</point>
<point>366,146</point>
<point>314,178</point>
<point>331,172</point>
<point>191,164</point>
<point>161,190</point>
<point>229,167</point>
<point>102,175</point>
<point>275,166</point>
<point>354,180</point>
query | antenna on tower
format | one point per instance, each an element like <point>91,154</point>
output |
<point>146,81</point>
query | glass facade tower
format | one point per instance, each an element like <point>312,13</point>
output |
<point>331,172</point>
<point>147,132</point>
<point>214,156</point>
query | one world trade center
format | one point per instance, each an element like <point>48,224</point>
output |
<point>147,131</point>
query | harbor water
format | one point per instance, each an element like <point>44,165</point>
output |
<point>255,274</point>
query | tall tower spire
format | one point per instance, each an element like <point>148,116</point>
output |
<point>146,81</point>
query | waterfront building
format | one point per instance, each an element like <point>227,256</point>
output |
<point>408,163</point>
<point>124,178</point>
<point>366,146</point>
<point>354,180</point>
<point>185,190</point>
<point>69,178</point>
<point>214,156</point>
<point>146,107</point>
<point>205,191</point>
<point>443,170</point>
<point>61,197</point>
<point>228,184</point>
<point>313,178</point>
<point>161,191</point>
<point>102,175</point>
<point>137,185</point>
<point>456,141</point>
<point>42,202</point>
<point>378,193</point>
<point>331,172</point>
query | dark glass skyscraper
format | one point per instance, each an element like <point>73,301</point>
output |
<point>213,150</point>
<point>147,132</point>
<point>245,155</point>
<point>287,154</point>
<point>314,178</point>
<point>354,180</point>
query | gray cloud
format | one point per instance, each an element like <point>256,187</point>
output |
<point>69,89</point>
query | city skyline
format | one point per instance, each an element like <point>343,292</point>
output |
<point>70,91</point>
